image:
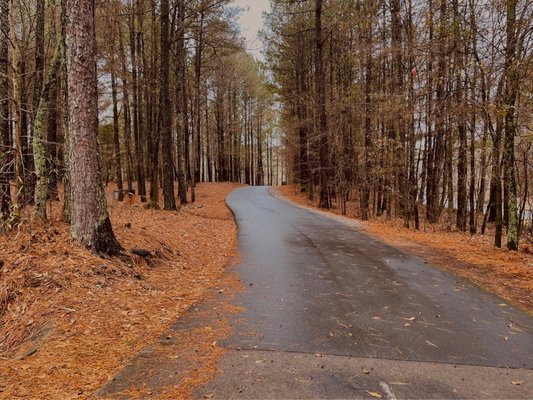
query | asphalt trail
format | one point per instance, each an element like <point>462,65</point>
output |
<point>334,313</point>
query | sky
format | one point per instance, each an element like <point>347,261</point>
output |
<point>251,21</point>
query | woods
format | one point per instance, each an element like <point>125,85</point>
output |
<point>402,109</point>
<point>144,93</point>
<point>420,110</point>
<point>266,198</point>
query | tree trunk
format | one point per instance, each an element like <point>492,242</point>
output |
<point>166,128</point>
<point>433,204</point>
<point>40,147</point>
<point>67,191</point>
<point>321,109</point>
<point>116,137</point>
<point>181,104</point>
<point>127,113</point>
<point>39,55</point>
<point>461,122</point>
<point>90,220</point>
<point>365,197</point>
<point>141,187</point>
<point>510,99</point>
<point>5,195</point>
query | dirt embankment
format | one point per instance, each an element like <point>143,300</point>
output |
<point>509,274</point>
<point>70,320</point>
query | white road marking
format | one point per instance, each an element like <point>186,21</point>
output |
<point>388,391</point>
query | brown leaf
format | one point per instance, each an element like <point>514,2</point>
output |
<point>518,383</point>
<point>374,394</point>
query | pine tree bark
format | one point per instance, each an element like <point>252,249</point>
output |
<point>52,138</point>
<point>90,220</point>
<point>195,170</point>
<point>181,104</point>
<point>260,169</point>
<point>137,133</point>
<point>365,197</point>
<point>116,136</point>
<point>436,178</point>
<point>5,195</point>
<point>41,149</point>
<point>321,108</point>
<point>39,55</point>
<point>510,99</point>
<point>166,128</point>
<point>127,112</point>
<point>461,122</point>
<point>67,196</point>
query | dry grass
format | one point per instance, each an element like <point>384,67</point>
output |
<point>509,274</point>
<point>70,320</point>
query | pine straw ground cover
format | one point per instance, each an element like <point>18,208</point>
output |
<point>509,274</point>
<point>70,320</point>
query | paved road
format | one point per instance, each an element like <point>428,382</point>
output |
<point>333,313</point>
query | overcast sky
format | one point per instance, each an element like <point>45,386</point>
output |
<point>251,21</point>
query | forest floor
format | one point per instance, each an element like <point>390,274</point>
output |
<point>69,320</point>
<point>508,274</point>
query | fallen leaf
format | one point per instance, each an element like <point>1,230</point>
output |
<point>366,371</point>
<point>515,328</point>
<point>374,394</point>
<point>208,396</point>
<point>432,344</point>
<point>518,383</point>
<point>260,361</point>
<point>410,319</point>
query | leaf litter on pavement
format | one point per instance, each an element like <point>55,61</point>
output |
<point>506,273</point>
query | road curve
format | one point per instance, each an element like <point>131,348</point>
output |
<point>333,313</point>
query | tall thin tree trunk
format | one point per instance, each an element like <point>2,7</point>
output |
<point>166,128</point>
<point>365,198</point>
<point>67,181</point>
<point>116,137</point>
<point>39,55</point>
<point>181,104</point>
<point>141,188</point>
<point>52,138</point>
<point>5,195</point>
<point>40,147</point>
<point>511,97</point>
<point>321,109</point>
<point>461,122</point>
<point>127,112</point>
